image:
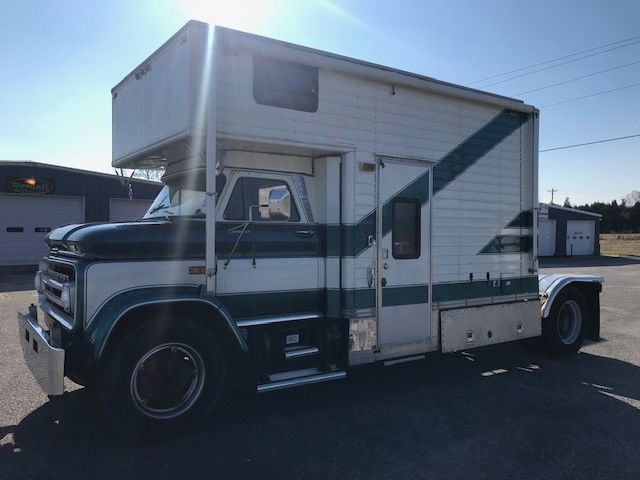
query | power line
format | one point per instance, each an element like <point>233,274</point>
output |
<point>556,59</point>
<point>578,78</point>
<point>557,65</point>
<point>591,95</point>
<point>590,143</point>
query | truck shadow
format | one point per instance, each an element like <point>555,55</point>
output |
<point>497,412</point>
<point>586,262</point>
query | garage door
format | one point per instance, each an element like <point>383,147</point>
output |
<point>26,219</point>
<point>580,235</point>
<point>123,209</point>
<point>546,238</point>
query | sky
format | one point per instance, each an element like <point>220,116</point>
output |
<point>60,60</point>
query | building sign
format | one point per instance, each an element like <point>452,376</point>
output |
<point>29,185</point>
<point>543,212</point>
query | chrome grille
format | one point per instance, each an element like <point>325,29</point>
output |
<point>55,274</point>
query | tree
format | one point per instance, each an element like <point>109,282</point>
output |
<point>567,203</point>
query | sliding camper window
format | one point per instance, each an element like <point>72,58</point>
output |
<point>405,230</point>
<point>283,84</point>
<point>253,192</point>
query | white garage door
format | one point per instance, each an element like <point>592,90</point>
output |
<point>123,209</point>
<point>580,237</point>
<point>546,238</point>
<point>26,219</point>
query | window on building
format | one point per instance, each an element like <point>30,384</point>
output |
<point>405,233</point>
<point>283,84</point>
<point>249,192</point>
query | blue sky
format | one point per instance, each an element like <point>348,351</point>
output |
<point>60,60</point>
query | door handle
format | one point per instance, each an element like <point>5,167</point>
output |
<point>305,233</point>
<point>383,282</point>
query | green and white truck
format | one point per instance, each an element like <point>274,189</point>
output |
<point>318,213</point>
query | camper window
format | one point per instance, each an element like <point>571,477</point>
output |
<point>249,192</point>
<point>405,231</point>
<point>278,83</point>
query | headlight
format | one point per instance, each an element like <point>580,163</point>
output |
<point>67,297</point>
<point>38,282</point>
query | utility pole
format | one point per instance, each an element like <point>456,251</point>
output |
<point>552,191</point>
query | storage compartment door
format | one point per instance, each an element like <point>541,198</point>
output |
<point>403,252</point>
<point>465,328</point>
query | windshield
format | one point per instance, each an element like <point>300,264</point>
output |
<point>182,196</point>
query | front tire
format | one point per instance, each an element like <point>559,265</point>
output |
<point>165,376</point>
<point>563,330</point>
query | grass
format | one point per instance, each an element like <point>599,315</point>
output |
<point>625,244</point>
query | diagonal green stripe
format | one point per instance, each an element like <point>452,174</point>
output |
<point>523,220</point>
<point>508,244</point>
<point>475,147</point>
<point>444,172</point>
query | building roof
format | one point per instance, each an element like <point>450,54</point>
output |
<point>575,210</point>
<point>25,163</point>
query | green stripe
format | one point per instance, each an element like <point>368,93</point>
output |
<point>443,292</point>
<point>328,302</point>
<point>392,296</point>
<point>523,220</point>
<point>264,304</point>
<point>508,244</point>
<point>355,299</point>
<point>445,171</point>
<point>475,147</point>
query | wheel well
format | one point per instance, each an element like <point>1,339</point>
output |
<point>201,312</point>
<point>591,293</point>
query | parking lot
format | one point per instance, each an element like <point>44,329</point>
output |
<point>497,412</point>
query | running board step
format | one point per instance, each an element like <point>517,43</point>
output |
<point>299,381</point>
<point>300,352</point>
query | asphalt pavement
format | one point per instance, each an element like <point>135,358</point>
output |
<point>497,412</point>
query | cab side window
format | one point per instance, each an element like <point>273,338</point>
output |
<point>261,195</point>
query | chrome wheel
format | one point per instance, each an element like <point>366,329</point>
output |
<point>167,381</point>
<point>569,322</point>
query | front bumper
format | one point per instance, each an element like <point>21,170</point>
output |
<point>45,361</point>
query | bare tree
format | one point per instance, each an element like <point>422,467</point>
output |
<point>632,198</point>
<point>567,202</point>
<point>145,173</point>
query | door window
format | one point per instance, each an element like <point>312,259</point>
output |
<point>258,194</point>
<point>405,236</point>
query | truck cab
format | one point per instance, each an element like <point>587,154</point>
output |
<point>318,213</point>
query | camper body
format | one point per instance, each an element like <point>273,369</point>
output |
<point>319,213</point>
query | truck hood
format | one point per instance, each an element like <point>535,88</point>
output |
<point>178,238</point>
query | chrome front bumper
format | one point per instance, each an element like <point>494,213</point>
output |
<point>45,361</point>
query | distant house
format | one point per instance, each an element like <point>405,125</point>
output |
<point>567,231</point>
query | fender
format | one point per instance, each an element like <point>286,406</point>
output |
<point>550,285</point>
<point>113,311</point>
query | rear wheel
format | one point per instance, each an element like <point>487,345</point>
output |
<point>164,376</point>
<point>563,330</point>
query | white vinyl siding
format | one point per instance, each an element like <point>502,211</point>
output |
<point>367,116</point>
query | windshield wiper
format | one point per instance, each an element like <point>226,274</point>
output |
<point>159,207</point>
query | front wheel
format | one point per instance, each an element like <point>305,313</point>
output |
<point>164,376</point>
<point>563,330</point>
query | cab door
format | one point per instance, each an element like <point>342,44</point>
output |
<point>266,266</point>
<point>403,225</point>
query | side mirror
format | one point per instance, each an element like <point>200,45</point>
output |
<point>279,203</point>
